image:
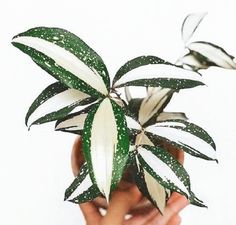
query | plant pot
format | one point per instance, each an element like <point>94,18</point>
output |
<point>127,181</point>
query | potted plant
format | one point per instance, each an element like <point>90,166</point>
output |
<point>122,134</point>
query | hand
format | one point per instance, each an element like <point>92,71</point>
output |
<point>122,201</point>
<point>125,200</point>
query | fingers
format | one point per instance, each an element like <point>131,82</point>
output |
<point>120,204</point>
<point>170,216</point>
<point>175,220</point>
<point>176,203</point>
<point>142,219</point>
<point>91,213</point>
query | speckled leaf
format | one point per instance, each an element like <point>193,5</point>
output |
<point>57,96</point>
<point>148,185</point>
<point>186,136</point>
<point>135,63</point>
<point>82,189</point>
<point>74,122</point>
<point>164,168</point>
<point>151,71</point>
<point>190,24</point>
<point>150,188</point>
<point>204,54</point>
<point>106,144</point>
<point>88,195</point>
<point>66,57</point>
<point>84,171</point>
<point>61,113</point>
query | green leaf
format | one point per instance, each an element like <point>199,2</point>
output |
<point>190,24</point>
<point>186,136</point>
<point>204,54</point>
<point>162,166</point>
<point>61,113</point>
<point>151,71</point>
<point>196,201</point>
<point>106,144</point>
<point>66,57</point>
<point>132,109</point>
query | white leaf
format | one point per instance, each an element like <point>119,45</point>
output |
<point>171,116</point>
<point>128,94</point>
<point>132,124</point>
<point>190,24</point>
<point>103,145</point>
<point>156,191</point>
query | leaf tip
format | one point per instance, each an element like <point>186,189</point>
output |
<point>65,197</point>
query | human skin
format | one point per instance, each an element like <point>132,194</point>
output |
<point>125,200</point>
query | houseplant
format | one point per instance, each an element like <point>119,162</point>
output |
<point>124,133</point>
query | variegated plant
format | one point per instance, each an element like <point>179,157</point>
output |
<point>118,133</point>
<point>202,54</point>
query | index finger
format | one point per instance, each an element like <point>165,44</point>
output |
<point>91,213</point>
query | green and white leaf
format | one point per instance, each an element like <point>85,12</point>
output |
<point>62,112</point>
<point>195,61</point>
<point>74,122</point>
<point>190,24</point>
<point>84,171</point>
<point>55,97</point>
<point>153,104</point>
<point>151,71</point>
<point>135,63</point>
<point>151,189</point>
<point>164,168</point>
<point>163,116</point>
<point>207,54</point>
<point>149,186</point>
<point>82,189</point>
<point>106,144</point>
<point>66,57</point>
<point>91,193</point>
<point>132,123</point>
<point>187,136</point>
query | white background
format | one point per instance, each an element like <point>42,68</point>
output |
<point>35,165</point>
